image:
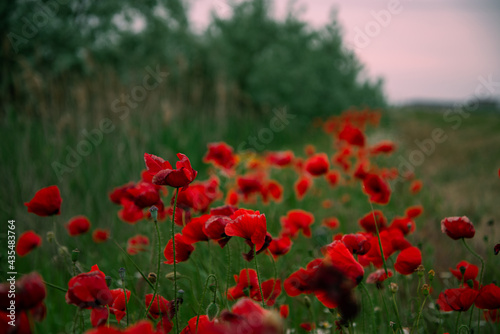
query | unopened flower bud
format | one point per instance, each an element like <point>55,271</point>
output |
<point>109,280</point>
<point>50,236</point>
<point>121,272</point>
<point>75,254</point>
<point>212,311</point>
<point>420,270</point>
<point>431,274</point>
<point>62,250</point>
<point>393,287</point>
<point>152,278</point>
<point>154,212</point>
<point>426,289</point>
<point>462,270</point>
<point>470,283</point>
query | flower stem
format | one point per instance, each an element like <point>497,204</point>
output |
<point>480,277</point>
<point>157,270</point>
<point>275,277</point>
<point>135,265</point>
<point>372,310</point>
<point>228,273</point>
<point>175,267</point>
<point>379,241</point>
<point>400,326</point>
<point>458,319</point>
<point>203,298</point>
<point>258,277</point>
<point>418,315</point>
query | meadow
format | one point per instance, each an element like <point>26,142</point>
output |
<point>459,177</point>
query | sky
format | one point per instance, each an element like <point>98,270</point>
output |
<point>440,50</point>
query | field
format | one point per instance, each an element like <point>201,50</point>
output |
<point>459,176</point>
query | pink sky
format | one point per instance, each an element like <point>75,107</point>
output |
<point>431,49</point>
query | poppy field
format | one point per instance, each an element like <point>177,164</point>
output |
<point>336,229</point>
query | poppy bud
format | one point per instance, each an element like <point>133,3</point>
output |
<point>393,287</point>
<point>109,280</point>
<point>50,236</point>
<point>74,255</point>
<point>462,270</point>
<point>470,283</point>
<point>431,274</point>
<point>212,311</point>
<point>425,289</point>
<point>121,272</point>
<point>180,295</point>
<point>152,278</point>
<point>154,212</point>
<point>420,270</point>
<point>62,250</point>
<point>307,301</point>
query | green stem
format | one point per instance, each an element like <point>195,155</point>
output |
<point>203,298</point>
<point>379,241</point>
<point>175,266</point>
<point>458,319</point>
<point>228,273</point>
<point>480,277</point>
<point>157,270</point>
<point>415,327</point>
<point>126,301</point>
<point>372,309</point>
<point>258,277</point>
<point>400,326</point>
<point>275,277</point>
<point>55,286</point>
<point>135,265</point>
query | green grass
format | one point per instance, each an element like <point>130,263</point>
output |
<point>460,178</point>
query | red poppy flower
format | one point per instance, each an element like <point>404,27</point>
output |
<point>318,164</point>
<point>245,282</point>
<point>98,316</point>
<point>342,157</point>
<point>414,211</point>
<point>274,189</point>
<point>460,299</point>
<point>377,188</point>
<point>130,213</point>
<point>416,186</point>
<point>496,249</point>
<point>183,250</point>
<point>78,225</point>
<point>118,193</point>
<point>332,177</point>
<point>144,194</point>
<point>249,315</point>
<point>356,243</point>
<point>307,326</point>
<point>404,224</point>
<point>284,311</point>
<point>225,210</point>
<point>118,305</point>
<point>47,202</point>
<point>331,222</point>
<point>165,175</point>
<point>378,276</point>
<point>221,155</point>
<point>249,225</point>
<point>215,229</point>
<point>362,169</point>
<point>249,185</point>
<point>202,324</point>
<point>458,227</point>
<point>368,221</point>
<point>492,315</point>
<point>280,246</point>
<point>296,220</point>
<point>280,159</point>
<point>302,186</point>
<point>470,271</point>
<point>138,243</point>
<point>352,135</point>
<point>193,231</point>
<point>231,197</point>
<point>339,256</point>
<point>159,307</point>
<point>89,290</point>
<point>100,235</point>
<point>385,146</point>
<point>488,297</point>
<point>374,256</point>
<point>309,150</point>
<point>28,241</point>
<point>30,292</point>
<point>408,261</point>
<point>199,195</point>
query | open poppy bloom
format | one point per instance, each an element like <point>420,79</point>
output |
<point>378,276</point>
<point>296,220</point>
<point>377,188</point>
<point>159,307</point>
<point>416,186</point>
<point>356,243</point>
<point>488,297</point>
<point>144,194</point>
<point>249,315</point>
<point>89,290</point>
<point>221,155</point>
<point>368,221</point>
<point>404,224</point>
<point>193,231</point>
<point>352,135</point>
<point>47,202</point>
<point>202,324</point>
<point>408,261</point>
<point>460,299</point>
<point>458,227</point>
<point>414,211</point>
<point>78,225</point>
<point>199,195</point>
<point>385,146</point>
<point>333,177</point>
<point>280,159</point>
<point>138,243</point>
<point>465,271</point>
<point>280,246</point>
<point>302,185</point>
<point>28,241</point>
<point>165,175</point>
<point>339,256</point>
<point>249,225</point>
<point>100,235</point>
<point>317,164</point>
<point>215,229</point>
<point>183,250</point>
<point>331,222</point>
